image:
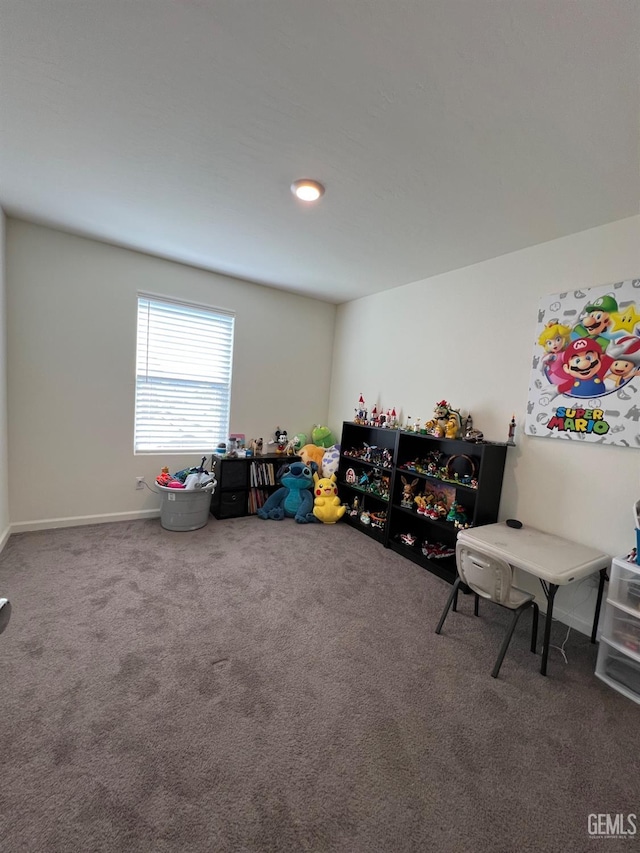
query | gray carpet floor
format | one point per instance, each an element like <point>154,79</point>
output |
<point>267,686</point>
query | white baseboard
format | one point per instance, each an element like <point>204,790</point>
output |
<point>81,520</point>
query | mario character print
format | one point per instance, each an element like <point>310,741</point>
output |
<point>585,366</point>
<point>585,371</point>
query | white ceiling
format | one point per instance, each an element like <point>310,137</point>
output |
<point>446,131</point>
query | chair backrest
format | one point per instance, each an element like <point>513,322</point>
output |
<point>5,613</point>
<point>488,576</point>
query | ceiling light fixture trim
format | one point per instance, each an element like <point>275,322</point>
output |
<point>307,189</point>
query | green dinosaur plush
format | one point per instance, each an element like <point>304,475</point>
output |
<point>322,436</point>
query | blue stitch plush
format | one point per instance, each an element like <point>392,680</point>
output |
<point>294,499</point>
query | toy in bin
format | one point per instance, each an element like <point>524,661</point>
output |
<point>164,478</point>
<point>188,479</point>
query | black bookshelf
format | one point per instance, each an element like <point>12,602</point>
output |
<point>378,458</point>
<point>245,483</point>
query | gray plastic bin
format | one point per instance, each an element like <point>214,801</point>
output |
<point>184,509</point>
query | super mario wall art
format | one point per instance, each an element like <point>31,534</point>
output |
<point>585,371</point>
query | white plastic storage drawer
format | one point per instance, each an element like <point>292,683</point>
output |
<point>619,669</point>
<point>622,627</point>
<point>624,586</point>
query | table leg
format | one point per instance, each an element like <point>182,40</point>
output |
<point>596,616</point>
<point>551,594</point>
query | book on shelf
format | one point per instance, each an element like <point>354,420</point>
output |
<point>257,499</point>
<point>262,474</point>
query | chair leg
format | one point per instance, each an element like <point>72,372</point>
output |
<point>534,627</point>
<point>476,605</point>
<point>452,597</point>
<point>455,600</point>
<point>506,641</point>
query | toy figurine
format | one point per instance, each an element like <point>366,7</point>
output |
<point>442,413</point>
<point>441,508</point>
<point>512,430</point>
<point>451,427</point>
<point>421,504</point>
<point>471,434</point>
<point>375,481</point>
<point>292,446</point>
<point>432,464</point>
<point>255,445</point>
<point>455,512</point>
<point>385,486</point>
<point>363,482</point>
<point>361,412</point>
<point>458,516</point>
<point>164,478</point>
<point>408,492</point>
<point>280,440</point>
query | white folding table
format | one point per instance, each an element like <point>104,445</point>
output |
<point>555,561</point>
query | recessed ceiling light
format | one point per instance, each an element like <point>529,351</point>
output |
<point>307,190</point>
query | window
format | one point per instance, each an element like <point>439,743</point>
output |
<point>183,376</point>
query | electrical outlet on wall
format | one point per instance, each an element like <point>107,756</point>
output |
<point>139,482</point>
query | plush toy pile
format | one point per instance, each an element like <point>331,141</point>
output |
<point>309,492</point>
<point>326,460</point>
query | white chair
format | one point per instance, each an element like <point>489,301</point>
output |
<point>5,613</point>
<point>491,578</point>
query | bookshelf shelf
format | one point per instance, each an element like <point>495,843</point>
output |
<point>245,484</point>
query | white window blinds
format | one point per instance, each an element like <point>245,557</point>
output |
<point>183,376</point>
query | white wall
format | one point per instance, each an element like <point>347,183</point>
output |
<point>468,336</point>
<point>71,389</point>
<point>4,450</point>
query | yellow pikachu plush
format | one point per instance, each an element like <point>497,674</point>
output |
<point>326,504</point>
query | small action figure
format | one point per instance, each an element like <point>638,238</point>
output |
<point>256,446</point>
<point>281,439</point>
<point>512,430</point>
<point>361,412</point>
